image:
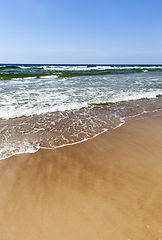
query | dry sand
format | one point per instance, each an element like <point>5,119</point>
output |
<point>109,187</point>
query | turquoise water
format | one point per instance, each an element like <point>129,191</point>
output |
<point>50,106</point>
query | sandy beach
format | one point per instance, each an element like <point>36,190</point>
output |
<point>109,187</point>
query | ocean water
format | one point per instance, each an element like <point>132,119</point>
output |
<point>49,106</point>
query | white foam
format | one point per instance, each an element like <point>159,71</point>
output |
<point>24,67</point>
<point>48,77</point>
<point>13,112</point>
<point>133,95</point>
<point>9,149</point>
<point>33,149</point>
<point>67,68</point>
<point>28,78</point>
<point>74,143</point>
<point>28,103</point>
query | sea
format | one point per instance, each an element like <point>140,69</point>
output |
<point>50,106</point>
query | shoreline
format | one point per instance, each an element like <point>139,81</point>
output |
<point>59,129</point>
<point>108,187</point>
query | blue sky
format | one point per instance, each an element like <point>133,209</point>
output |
<point>59,31</point>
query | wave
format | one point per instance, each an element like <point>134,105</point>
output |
<point>32,106</point>
<point>6,66</point>
<point>25,67</point>
<point>14,112</point>
<point>28,135</point>
<point>8,72</point>
<point>9,76</point>
<point>49,76</point>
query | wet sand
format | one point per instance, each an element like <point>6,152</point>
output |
<point>109,187</point>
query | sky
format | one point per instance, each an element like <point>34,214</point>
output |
<point>81,32</point>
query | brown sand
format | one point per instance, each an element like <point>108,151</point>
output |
<point>109,187</point>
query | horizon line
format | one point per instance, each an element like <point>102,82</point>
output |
<point>85,64</point>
